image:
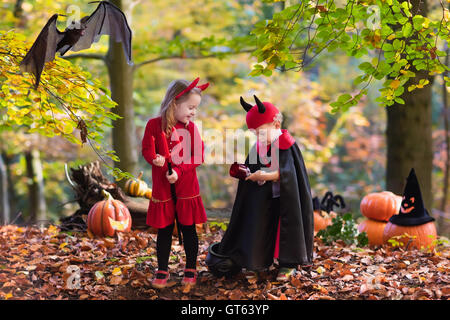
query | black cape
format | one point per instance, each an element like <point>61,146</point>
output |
<point>251,234</point>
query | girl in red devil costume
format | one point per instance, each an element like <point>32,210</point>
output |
<point>173,146</point>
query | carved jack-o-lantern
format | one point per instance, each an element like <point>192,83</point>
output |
<point>109,216</point>
<point>407,205</point>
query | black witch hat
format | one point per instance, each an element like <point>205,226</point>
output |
<point>412,210</point>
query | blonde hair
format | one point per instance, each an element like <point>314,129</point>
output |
<point>168,105</point>
<point>278,118</point>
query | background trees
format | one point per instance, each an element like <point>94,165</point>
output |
<point>346,87</point>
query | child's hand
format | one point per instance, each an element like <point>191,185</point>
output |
<point>256,176</point>
<point>173,177</point>
<point>159,160</point>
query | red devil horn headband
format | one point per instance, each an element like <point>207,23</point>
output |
<point>191,86</point>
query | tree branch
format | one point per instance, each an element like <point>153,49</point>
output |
<point>94,56</point>
<point>214,55</point>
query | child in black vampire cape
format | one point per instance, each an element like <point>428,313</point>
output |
<point>272,215</point>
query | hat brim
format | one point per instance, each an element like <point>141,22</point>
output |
<point>405,220</point>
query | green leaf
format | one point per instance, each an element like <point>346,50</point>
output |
<point>418,21</point>
<point>359,80</point>
<point>399,100</point>
<point>365,66</point>
<point>407,30</point>
<point>397,44</point>
<point>267,72</point>
<point>255,72</point>
<point>344,97</point>
<point>99,275</point>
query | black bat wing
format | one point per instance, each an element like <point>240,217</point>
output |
<point>110,20</point>
<point>42,50</point>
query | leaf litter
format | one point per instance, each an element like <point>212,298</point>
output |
<point>35,264</point>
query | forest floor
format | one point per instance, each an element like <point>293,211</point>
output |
<point>49,264</point>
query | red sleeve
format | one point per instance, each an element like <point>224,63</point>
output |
<point>197,152</point>
<point>147,143</point>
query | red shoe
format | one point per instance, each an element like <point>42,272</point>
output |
<point>160,282</point>
<point>189,280</point>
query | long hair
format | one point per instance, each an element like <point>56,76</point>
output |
<point>168,105</point>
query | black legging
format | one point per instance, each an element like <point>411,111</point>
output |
<point>164,243</point>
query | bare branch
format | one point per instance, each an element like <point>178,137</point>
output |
<point>214,55</point>
<point>94,56</point>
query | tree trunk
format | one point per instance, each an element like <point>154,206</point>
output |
<point>446,115</point>
<point>37,206</point>
<point>5,212</point>
<point>409,142</point>
<point>409,134</point>
<point>121,80</point>
<point>16,216</point>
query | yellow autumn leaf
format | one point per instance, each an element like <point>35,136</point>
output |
<point>117,271</point>
<point>119,225</point>
<point>8,295</point>
<point>391,37</point>
<point>52,230</point>
<point>267,46</point>
<point>320,270</point>
<point>62,245</point>
<point>395,84</point>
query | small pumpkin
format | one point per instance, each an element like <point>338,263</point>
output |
<point>380,206</point>
<point>418,237</point>
<point>323,214</point>
<point>109,216</point>
<point>374,230</point>
<point>148,193</point>
<point>136,187</point>
<point>322,219</point>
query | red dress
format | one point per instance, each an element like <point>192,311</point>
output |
<point>189,206</point>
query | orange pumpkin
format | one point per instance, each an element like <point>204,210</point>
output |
<point>323,210</point>
<point>380,206</point>
<point>424,234</point>
<point>322,219</point>
<point>374,230</point>
<point>109,216</point>
<point>148,193</point>
<point>136,187</point>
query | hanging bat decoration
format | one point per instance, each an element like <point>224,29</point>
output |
<point>106,19</point>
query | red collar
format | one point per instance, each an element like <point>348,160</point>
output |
<point>285,140</point>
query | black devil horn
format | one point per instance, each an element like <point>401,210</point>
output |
<point>261,106</point>
<point>245,105</point>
